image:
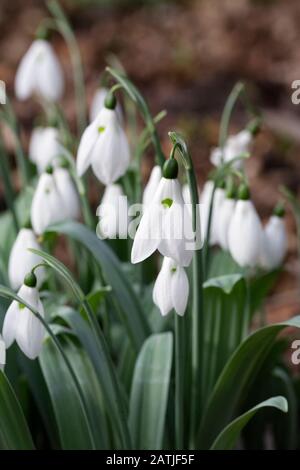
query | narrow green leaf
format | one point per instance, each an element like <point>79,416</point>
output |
<point>236,378</point>
<point>14,432</point>
<point>226,440</point>
<point>149,393</point>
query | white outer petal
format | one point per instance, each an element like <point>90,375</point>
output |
<point>67,192</point>
<point>148,234</point>
<point>10,324</point>
<point>2,354</point>
<point>274,245</point>
<point>25,80</point>
<point>49,75</point>
<point>152,185</point>
<point>162,288</point>
<point>30,331</point>
<point>113,212</point>
<point>179,290</point>
<point>21,260</point>
<point>225,214</point>
<point>110,154</point>
<point>245,234</point>
<point>87,142</point>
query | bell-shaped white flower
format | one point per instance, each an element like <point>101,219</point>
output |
<point>235,146</point>
<point>45,148</point>
<point>39,73</point>
<point>47,205</point>
<point>104,146</point>
<point>21,260</point>
<point>274,246</point>
<point>224,218</point>
<point>22,326</point>
<point>152,185</point>
<point>245,233</point>
<point>165,226</point>
<point>171,288</point>
<point>98,102</point>
<point>2,354</point>
<point>67,192</point>
<point>113,213</point>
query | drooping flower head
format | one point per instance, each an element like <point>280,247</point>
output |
<point>98,102</point>
<point>245,231</point>
<point>171,288</point>
<point>21,325</point>
<point>39,73</point>
<point>21,260</point>
<point>274,244</point>
<point>104,146</point>
<point>45,148</point>
<point>166,222</point>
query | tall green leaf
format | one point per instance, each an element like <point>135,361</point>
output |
<point>149,393</point>
<point>133,316</point>
<point>14,432</point>
<point>226,440</point>
<point>236,378</point>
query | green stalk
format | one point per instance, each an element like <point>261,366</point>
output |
<point>8,293</point>
<point>8,187</point>
<point>231,101</point>
<point>179,380</point>
<point>66,31</point>
<point>197,300</point>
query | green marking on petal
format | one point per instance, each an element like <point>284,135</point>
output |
<point>21,306</point>
<point>167,202</point>
<point>101,129</point>
<point>173,270</point>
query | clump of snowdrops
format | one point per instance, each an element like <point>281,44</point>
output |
<point>148,342</point>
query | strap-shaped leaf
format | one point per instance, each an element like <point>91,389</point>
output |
<point>226,440</point>
<point>14,432</point>
<point>149,393</point>
<point>236,378</point>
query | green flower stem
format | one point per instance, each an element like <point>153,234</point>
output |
<point>197,299</point>
<point>231,101</point>
<point>66,31</point>
<point>142,106</point>
<point>179,380</point>
<point>9,294</point>
<point>8,187</point>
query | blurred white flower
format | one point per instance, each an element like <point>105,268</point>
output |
<point>171,288</point>
<point>21,325</point>
<point>67,192</point>
<point>45,148</point>
<point>274,246</point>
<point>21,260</point>
<point>98,103</point>
<point>104,146</point>
<point>152,185</point>
<point>47,206</point>
<point>223,221</point>
<point>165,226</point>
<point>2,354</point>
<point>234,147</point>
<point>39,72</point>
<point>245,234</point>
<point>205,200</point>
<point>112,213</point>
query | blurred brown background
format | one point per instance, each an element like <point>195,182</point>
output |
<point>185,56</point>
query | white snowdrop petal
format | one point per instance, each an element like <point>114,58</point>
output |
<point>50,81</point>
<point>274,244</point>
<point>2,354</point>
<point>9,324</point>
<point>180,290</point>
<point>162,288</point>
<point>152,185</point>
<point>225,214</point>
<point>113,213</point>
<point>68,193</point>
<point>25,77</point>
<point>87,142</point>
<point>148,235</point>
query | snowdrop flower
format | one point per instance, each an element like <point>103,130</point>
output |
<point>234,147</point>
<point>39,72</point>
<point>21,260</point>
<point>45,148</point>
<point>67,192</point>
<point>224,218</point>
<point>2,354</point>
<point>245,231</point>
<point>152,185</point>
<point>47,205</point>
<point>165,224</point>
<point>205,201</point>
<point>112,212</point>
<point>21,325</point>
<point>98,103</point>
<point>171,288</point>
<point>274,244</point>
<point>104,146</point>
